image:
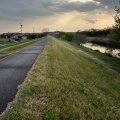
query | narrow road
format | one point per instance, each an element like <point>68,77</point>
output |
<point>14,69</point>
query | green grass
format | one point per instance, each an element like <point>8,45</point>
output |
<point>3,40</point>
<point>113,61</point>
<point>10,44</point>
<point>17,48</point>
<point>65,85</point>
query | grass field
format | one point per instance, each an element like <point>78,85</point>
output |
<point>10,44</point>
<point>65,85</point>
<point>3,40</point>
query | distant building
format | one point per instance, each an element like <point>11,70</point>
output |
<point>26,36</point>
<point>6,35</point>
<point>54,34</point>
<point>16,36</point>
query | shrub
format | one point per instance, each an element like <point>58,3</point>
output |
<point>114,41</point>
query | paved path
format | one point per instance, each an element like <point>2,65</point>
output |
<point>14,69</point>
<point>95,59</point>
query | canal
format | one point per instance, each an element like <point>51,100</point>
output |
<point>103,49</point>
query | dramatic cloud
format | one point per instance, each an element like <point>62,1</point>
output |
<point>30,10</point>
<point>79,6</point>
<point>19,10</point>
<point>110,3</point>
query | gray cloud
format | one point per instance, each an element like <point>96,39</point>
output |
<point>23,9</point>
<point>79,6</point>
<point>109,3</point>
<point>91,21</point>
<point>18,10</point>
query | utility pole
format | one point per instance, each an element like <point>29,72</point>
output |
<point>21,27</point>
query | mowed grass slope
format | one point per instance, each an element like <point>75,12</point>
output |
<point>109,59</point>
<point>65,85</point>
<point>10,44</point>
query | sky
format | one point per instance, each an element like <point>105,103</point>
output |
<point>57,15</point>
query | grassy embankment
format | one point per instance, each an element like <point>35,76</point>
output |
<point>113,61</point>
<point>3,40</point>
<point>65,85</point>
<point>16,48</point>
<point>10,44</point>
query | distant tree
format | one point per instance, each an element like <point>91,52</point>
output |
<point>69,37</point>
<point>115,33</point>
<point>41,35</point>
<point>62,35</point>
<point>80,38</point>
<point>32,36</point>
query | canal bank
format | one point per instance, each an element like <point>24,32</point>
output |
<point>105,57</point>
<point>103,49</point>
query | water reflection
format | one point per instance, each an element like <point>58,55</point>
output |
<point>113,52</point>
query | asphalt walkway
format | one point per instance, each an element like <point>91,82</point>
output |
<point>14,69</point>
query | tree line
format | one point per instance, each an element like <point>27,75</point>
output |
<point>112,34</point>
